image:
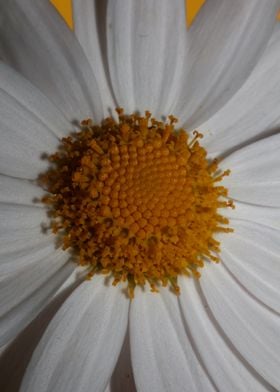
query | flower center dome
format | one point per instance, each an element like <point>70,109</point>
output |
<point>136,199</point>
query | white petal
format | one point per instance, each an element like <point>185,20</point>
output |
<point>120,52</point>
<point>88,330</point>
<point>224,366</point>
<point>223,47</point>
<point>264,216</point>
<point>27,96</point>
<point>17,286</point>
<point>15,260</point>
<point>20,235</point>
<point>20,316</point>
<point>24,137</point>
<point>255,173</point>
<point>89,26</point>
<point>23,250</point>
<point>18,191</point>
<point>163,357</point>
<point>15,219</point>
<point>251,253</point>
<point>156,64</point>
<point>254,110</point>
<point>17,355</point>
<point>251,328</point>
<point>36,42</point>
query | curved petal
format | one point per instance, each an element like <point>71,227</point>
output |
<point>264,216</point>
<point>22,238</point>
<point>88,329</point>
<point>29,97</point>
<point>89,27</point>
<point>163,358</point>
<point>21,315</point>
<point>17,286</point>
<point>25,132</point>
<point>17,355</point>
<point>255,173</point>
<point>226,368</point>
<point>36,41</point>
<point>254,110</point>
<point>17,222</point>
<point>252,328</point>
<point>120,52</point>
<point>19,191</point>
<point>156,64</point>
<point>17,260</point>
<point>251,253</point>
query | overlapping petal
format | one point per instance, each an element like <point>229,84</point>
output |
<point>163,356</point>
<point>252,256</point>
<point>89,26</point>
<point>225,366</point>
<point>251,327</point>
<point>22,314</point>
<point>88,330</point>
<point>254,175</point>
<point>29,126</point>
<point>156,64</point>
<point>254,111</point>
<point>19,191</point>
<point>36,42</point>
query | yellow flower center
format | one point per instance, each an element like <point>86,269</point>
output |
<point>136,199</point>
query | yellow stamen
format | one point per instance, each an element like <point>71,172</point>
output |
<point>137,200</point>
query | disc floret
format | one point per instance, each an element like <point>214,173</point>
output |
<point>137,200</point>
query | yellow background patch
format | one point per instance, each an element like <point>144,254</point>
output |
<point>65,8</point>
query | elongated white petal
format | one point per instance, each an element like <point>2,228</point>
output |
<point>17,286</point>
<point>20,235</point>
<point>251,253</point>
<point>17,355</point>
<point>250,327</point>
<point>264,216</point>
<point>224,45</point>
<point>19,191</point>
<point>225,367</point>
<point>88,330</point>
<point>18,219</point>
<point>29,125</point>
<point>119,32</point>
<point>21,315</point>
<point>254,111</point>
<point>89,27</point>
<point>16,260</point>
<point>31,270</point>
<point>32,100</point>
<point>255,173</point>
<point>24,140</point>
<point>163,357</point>
<point>19,248</point>
<point>156,64</point>
<point>36,41</point>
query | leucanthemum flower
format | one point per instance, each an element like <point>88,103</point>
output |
<point>222,78</point>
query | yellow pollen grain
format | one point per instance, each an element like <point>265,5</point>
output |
<point>136,199</point>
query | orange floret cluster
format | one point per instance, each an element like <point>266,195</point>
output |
<point>136,199</point>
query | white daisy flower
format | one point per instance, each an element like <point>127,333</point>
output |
<point>221,77</point>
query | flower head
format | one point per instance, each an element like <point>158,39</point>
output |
<point>220,78</point>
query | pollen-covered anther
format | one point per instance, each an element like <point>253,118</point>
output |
<point>137,199</point>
